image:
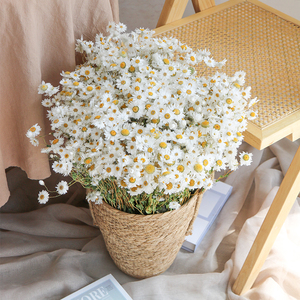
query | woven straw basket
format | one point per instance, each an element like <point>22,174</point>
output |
<point>145,245</point>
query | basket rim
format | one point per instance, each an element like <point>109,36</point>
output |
<point>137,216</point>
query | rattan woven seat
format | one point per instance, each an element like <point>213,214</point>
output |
<point>264,43</point>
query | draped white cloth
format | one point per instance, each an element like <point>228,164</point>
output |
<point>49,252</point>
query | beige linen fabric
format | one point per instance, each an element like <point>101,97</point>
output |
<point>37,43</point>
<point>48,253</point>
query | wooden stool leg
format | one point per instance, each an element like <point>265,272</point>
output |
<point>270,228</point>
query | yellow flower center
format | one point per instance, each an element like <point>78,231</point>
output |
<point>88,160</point>
<point>132,180</point>
<point>169,186</point>
<point>163,145</point>
<point>219,162</point>
<point>198,167</point>
<point>166,173</point>
<point>205,124</point>
<point>125,132</point>
<point>123,183</point>
<point>246,157</point>
<point>150,169</point>
<point>192,182</point>
<point>180,168</point>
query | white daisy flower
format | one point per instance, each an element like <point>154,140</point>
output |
<point>245,158</point>
<point>43,87</point>
<point>94,196</point>
<point>209,61</point>
<point>62,187</point>
<point>33,131</point>
<point>174,205</point>
<point>43,197</point>
<point>35,142</point>
<point>47,102</point>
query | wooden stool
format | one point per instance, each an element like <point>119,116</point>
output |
<point>264,43</point>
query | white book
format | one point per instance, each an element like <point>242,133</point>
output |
<point>106,288</point>
<point>212,202</point>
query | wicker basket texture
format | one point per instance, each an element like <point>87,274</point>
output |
<point>145,245</point>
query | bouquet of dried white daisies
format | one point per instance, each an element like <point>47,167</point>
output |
<point>136,126</point>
